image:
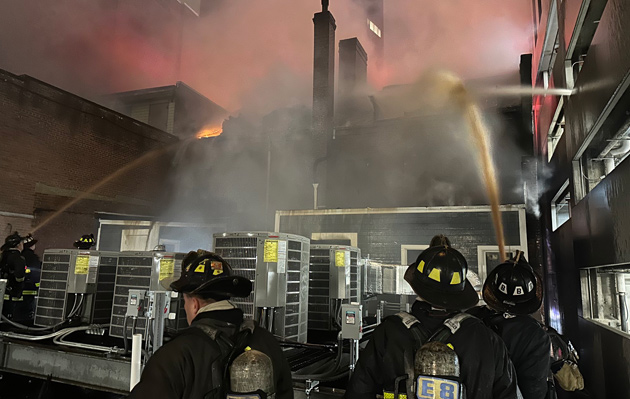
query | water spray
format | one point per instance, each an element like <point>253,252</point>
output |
<point>453,87</point>
<point>112,176</point>
<point>524,91</point>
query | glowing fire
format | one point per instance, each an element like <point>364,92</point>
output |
<point>209,132</point>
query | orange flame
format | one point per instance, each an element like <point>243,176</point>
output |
<point>210,132</point>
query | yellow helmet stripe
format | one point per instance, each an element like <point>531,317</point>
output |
<point>456,278</point>
<point>421,266</point>
<point>435,275</point>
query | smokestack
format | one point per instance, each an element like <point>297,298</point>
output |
<point>324,71</point>
<point>352,78</point>
<point>323,93</point>
<point>352,67</point>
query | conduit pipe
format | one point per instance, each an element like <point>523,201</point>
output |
<point>136,360</point>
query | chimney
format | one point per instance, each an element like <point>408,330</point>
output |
<point>352,77</point>
<point>324,72</point>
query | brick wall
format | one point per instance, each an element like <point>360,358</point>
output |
<point>55,146</point>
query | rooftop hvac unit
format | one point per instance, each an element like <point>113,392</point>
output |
<point>372,277</point>
<point>334,278</point>
<point>141,272</point>
<point>73,279</point>
<point>277,265</point>
<point>394,280</point>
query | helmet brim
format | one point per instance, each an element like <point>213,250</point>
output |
<point>229,286</point>
<point>527,307</point>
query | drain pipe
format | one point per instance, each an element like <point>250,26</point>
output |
<point>609,160</point>
<point>315,185</point>
<point>623,306</point>
<point>136,360</point>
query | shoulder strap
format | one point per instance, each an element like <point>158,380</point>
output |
<point>218,335</point>
<point>420,333</point>
<point>450,327</point>
<point>226,348</point>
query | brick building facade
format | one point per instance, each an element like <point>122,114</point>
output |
<point>56,146</point>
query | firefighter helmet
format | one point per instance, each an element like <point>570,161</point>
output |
<point>513,287</point>
<point>85,242</point>
<point>12,241</point>
<point>207,274</point>
<point>29,241</point>
<point>438,276</point>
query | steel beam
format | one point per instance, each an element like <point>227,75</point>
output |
<point>90,371</point>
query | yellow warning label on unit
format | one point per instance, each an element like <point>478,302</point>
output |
<point>340,258</point>
<point>82,264</point>
<point>167,268</point>
<point>271,251</point>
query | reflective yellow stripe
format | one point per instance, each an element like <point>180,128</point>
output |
<point>6,298</point>
<point>29,292</point>
<point>37,285</point>
<point>435,275</point>
<point>19,280</point>
<point>390,395</point>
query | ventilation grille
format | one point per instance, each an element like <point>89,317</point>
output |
<point>319,290</point>
<point>240,253</point>
<point>134,272</point>
<point>244,255</point>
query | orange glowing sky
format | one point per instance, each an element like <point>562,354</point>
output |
<point>245,53</point>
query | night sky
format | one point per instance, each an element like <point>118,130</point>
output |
<point>248,53</point>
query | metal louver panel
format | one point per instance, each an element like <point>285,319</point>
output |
<point>277,265</point>
<point>334,278</point>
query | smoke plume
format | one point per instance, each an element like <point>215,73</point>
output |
<point>238,52</point>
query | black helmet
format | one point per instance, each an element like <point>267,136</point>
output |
<point>439,277</point>
<point>513,287</point>
<point>85,242</point>
<point>12,241</point>
<point>207,274</point>
<point>29,241</point>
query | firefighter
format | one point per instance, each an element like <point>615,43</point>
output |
<point>25,309</point>
<point>85,242</point>
<point>512,292</point>
<point>438,276</point>
<point>195,363</point>
<point>13,269</point>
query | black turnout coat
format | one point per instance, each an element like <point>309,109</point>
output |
<point>485,368</point>
<point>529,348</point>
<point>13,268</point>
<point>182,368</point>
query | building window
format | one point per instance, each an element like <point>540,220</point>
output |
<point>374,28</point>
<point>488,258</point>
<point>556,131</point>
<point>560,206</point>
<point>604,298</point>
<point>409,253</point>
<point>603,154</point>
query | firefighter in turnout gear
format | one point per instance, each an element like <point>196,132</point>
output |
<point>512,291</point>
<point>386,367</point>
<point>196,363</point>
<point>13,269</point>
<point>25,309</point>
